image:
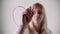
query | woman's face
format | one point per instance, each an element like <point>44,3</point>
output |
<point>38,16</point>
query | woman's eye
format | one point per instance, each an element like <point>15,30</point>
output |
<point>39,12</point>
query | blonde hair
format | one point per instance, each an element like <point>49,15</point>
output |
<point>44,26</point>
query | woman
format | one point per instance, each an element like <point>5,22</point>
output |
<point>34,19</point>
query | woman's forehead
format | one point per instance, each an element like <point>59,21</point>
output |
<point>36,8</point>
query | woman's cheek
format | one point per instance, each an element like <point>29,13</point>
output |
<point>34,18</point>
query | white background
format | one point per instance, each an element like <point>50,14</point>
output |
<point>7,23</point>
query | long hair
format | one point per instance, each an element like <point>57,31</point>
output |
<point>27,16</point>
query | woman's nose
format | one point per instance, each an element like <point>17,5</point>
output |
<point>36,15</point>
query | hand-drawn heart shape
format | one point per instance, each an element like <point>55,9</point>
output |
<point>13,14</point>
